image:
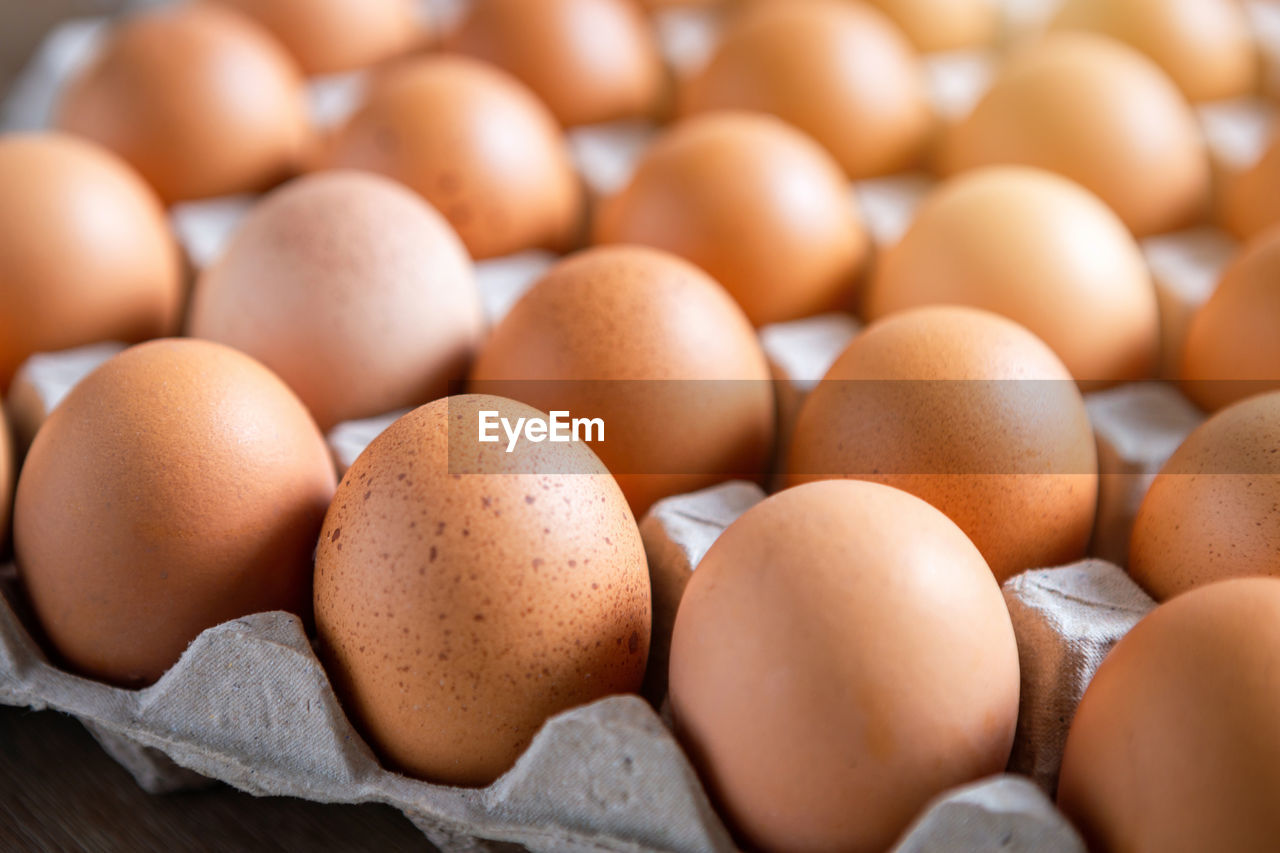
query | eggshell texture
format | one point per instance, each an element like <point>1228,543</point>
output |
<point>352,289</point>
<point>970,412</point>
<point>1248,203</point>
<point>85,251</point>
<point>1205,46</point>
<point>1097,111</point>
<point>588,60</point>
<point>475,143</point>
<point>198,98</point>
<point>600,320</point>
<point>839,71</point>
<point>178,486</point>
<point>1171,749</point>
<point>1232,349</point>
<point>1213,511</point>
<point>465,594</point>
<point>755,203</point>
<point>934,25</point>
<point>841,656</point>
<point>328,36</point>
<point>1038,249</point>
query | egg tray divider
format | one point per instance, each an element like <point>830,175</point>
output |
<point>250,705</point>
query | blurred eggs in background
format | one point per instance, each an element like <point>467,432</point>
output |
<point>465,594</point>
<point>180,485</point>
<point>656,349</point>
<point>939,25</point>
<point>198,98</point>
<point>752,201</point>
<point>1213,511</point>
<point>1038,249</point>
<point>474,142</point>
<point>588,60</point>
<point>352,289</point>
<point>841,656</point>
<point>1100,113</point>
<point>1248,203</point>
<point>971,412</point>
<point>329,36</point>
<point>86,253</point>
<point>839,71</point>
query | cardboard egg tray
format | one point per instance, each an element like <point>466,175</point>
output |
<point>250,705</point>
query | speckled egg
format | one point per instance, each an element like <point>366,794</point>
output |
<point>473,141</point>
<point>465,594</point>
<point>656,349</point>
<point>351,288</point>
<point>1213,511</point>
<point>970,412</point>
<point>179,485</point>
<point>200,99</point>
<point>754,202</point>
<point>840,71</point>
<point>1232,349</point>
<point>1171,748</point>
<point>841,656</point>
<point>1038,249</point>
<point>1101,113</point>
<point>86,254</point>
<point>588,60</point>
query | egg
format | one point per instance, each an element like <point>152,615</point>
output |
<point>939,25</point>
<point>588,60</point>
<point>86,253</point>
<point>841,656</point>
<point>840,71</point>
<point>465,594</point>
<point>755,203</point>
<point>1170,749</point>
<point>6,477</point>
<point>1099,112</point>
<point>199,99</point>
<point>1232,351</point>
<point>656,349</point>
<point>475,143</point>
<point>1247,202</point>
<point>970,412</point>
<point>1205,46</point>
<point>352,289</point>
<point>1038,249</point>
<point>329,36</point>
<point>1213,511</point>
<point>179,485</point>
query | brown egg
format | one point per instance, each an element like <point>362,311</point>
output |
<point>327,36</point>
<point>588,60</point>
<point>840,71</point>
<point>352,289</point>
<point>970,412</point>
<point>86,254</point>
<point>1171,749</point>
<point>1041,251</point>
<point>178,486</point>
<point>656,349</point>
<point>945,24</point>
<point>841,656</point>
<point>1213,511</point>
<point>476,144</point>
<point>6,477</point>
<point>1232,348</point>
<point>1248,203</point>
<point>465,594</point>
<point>199,99</point>
<point>755,203</point>
<point>1205,46</point>
<point>1100,113</point>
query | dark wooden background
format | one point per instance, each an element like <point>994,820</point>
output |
<point>60,792</point>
